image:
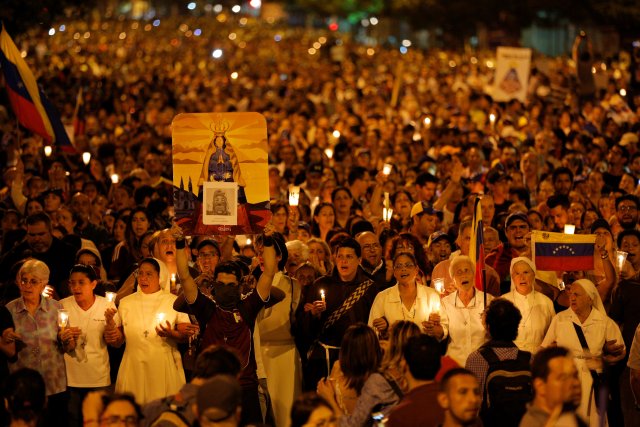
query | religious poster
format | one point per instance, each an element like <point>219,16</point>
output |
<point>511,80</point>
<point>220,173</point>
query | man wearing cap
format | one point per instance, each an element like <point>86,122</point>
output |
<point>207,260</point>
<point>516,227</point>
<point>425,220</point>
<point>439,246</point>
<point>219,402</point>
<point>499,183</point>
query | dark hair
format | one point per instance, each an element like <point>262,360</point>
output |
<point>502,320</point>
<point>407,254</point>
<point>152,262</point>
<point>315,229</point>
<point>229,267</point>
<point>356,173</point>
<point>422,354</point>
<point>349,242</point>
<point>561,171</point>
<point>626,233</point>
<point>629,197</point>
<point>303,406</point>
<point>141,193</point>
<point>215,360</point>
<point>84,269</point>
<point>339,189</point>
<point>276,206</point>
<point>419,253</point>
<point>425,177</point>
<point>398,192</point>
<point>558,200</point>
<point>38,217</point>
<point>25,393</point>
<point>540,362</point>
<point>360,355</point>
<point>446,378</point>
<point>133,243</point>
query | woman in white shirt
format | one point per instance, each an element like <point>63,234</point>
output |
<point>86,358</point>
<point>407,301</point>
<point>462,311</point>
<point>602,337</point>
<point>536,308</point>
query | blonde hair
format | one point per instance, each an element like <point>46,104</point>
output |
<point>36,268</point>
<point>400,333</point>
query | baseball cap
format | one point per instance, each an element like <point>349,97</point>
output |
<point>219,398</point>
<point>208,242</point>
<point>496,175</point>
<point>516,216</point>
<point>424,207</point>
<point>437,236</point>
<point>600,223</point>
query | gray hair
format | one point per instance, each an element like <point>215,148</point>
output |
<point>36,268</point>
<point>457,260</point>
<point>298,245</point>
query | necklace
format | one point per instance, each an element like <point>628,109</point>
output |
<point>84,331</point>
<point>145,323</point>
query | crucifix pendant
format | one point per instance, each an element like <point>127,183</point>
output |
<point>146,334</point>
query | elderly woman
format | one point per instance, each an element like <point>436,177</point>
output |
<point>587,331</point>
<point>36,333</point>
<point>407,300</point>
<point>86,357</point>
<point>151,367</point>
<point>462,311</point>
<point>535,307</point>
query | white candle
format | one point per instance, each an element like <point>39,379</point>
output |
<point>294,196</point>
<point>427,122</point>
<point>621,257</point>
<point>111,296</point>
<point>63,318</point>
<point>322,296</point>
<point>387,214</point>
<point>569,229</point>
<point>336,134</point>
<point>48,150</point>
<point>86,157</point>
<point>438,285</point>
<point>329,153</point>
<point>492,119</point>
<point>386,169</point>
<point>160,318</point>
<point>173,282</point>
<point>115,178</point>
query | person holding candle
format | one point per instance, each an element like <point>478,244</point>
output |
<point>536,308</point>
<point>86,357</point>
<point>461,312</point>
<point>37,335</point>
<point>407,301</point>
<point>151,367</point>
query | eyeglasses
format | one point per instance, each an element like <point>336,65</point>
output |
<point>400,266</point>
<point>627,208</point>
<point>114,420</point>
<point>30,282</point>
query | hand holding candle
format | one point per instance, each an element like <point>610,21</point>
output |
<point>621,257</point>
<point>111,296</point>
<point>322,295</point>
<point>294,195</point>
<point>63,319</point>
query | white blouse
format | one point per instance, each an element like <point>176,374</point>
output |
<point>389,305</point>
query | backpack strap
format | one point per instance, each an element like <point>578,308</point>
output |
<point>394,385</point>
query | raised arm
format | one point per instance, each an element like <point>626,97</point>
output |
<point>270,264</point>
<point>189,286</point>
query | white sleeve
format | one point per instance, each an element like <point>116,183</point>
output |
<point>551,335</point>
<point>377,308</point>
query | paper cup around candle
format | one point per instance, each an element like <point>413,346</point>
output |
<point>569,229</point>
<point>63,318</point>
<point>111,296</point>
<point>115,178</point>
<point>329,153</point>
<point>160,318</point>
<point>294,196</point>
<point>562,286</point>
<point>48,150</point>
<point>438,285</point>
<point>621,257</point>
<point>322,295</point>
<point>386,169</point>
<point>86,157</point>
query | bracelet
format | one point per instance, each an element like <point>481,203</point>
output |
<point>181,243</point>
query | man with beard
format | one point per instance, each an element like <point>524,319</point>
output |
<point>559,205</point>
<point>562,180</point>
<point>330,305</point>
<point>372,262</point>
<point>460,397</point>
<point>516,227</point>
<point>627,212</point>
<point>227,318</point>
<point>556,389</point>
<point>439,248</point>
<point>42,245</point>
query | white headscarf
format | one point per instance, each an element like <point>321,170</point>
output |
<point>165,285</point>
<point>527,261</point>
<point>590,289</point>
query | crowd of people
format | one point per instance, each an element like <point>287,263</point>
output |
<point>360,304</point>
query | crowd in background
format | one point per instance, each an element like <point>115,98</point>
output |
<point>363,295</point>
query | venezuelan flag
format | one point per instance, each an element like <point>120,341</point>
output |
<point>476,250</point>
<point>29,103</point>
<point>563,252</point>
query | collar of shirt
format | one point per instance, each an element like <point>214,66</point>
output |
<point>20,306</point>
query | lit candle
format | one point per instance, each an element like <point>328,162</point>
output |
<point>294,195</point>
<point>48,150</point>
<point>562,286</point>
<point>115,178</point>
<point>435,308</point>
<point>336,134</point>
<point>111,296</point>
<point>329,153</point>
<point>621,257</point>
<point>248,242</point>
<point>438,285</point>
<point>86,157</point>
<point>63,318</point>
<point>173,282</point>
<point>386,169</point>
<point>160,318</point>
<point>492,119</point>
<point>322,295</point>
<point>569,229</point>
<point>427,122</point>
<point>387,214</point>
